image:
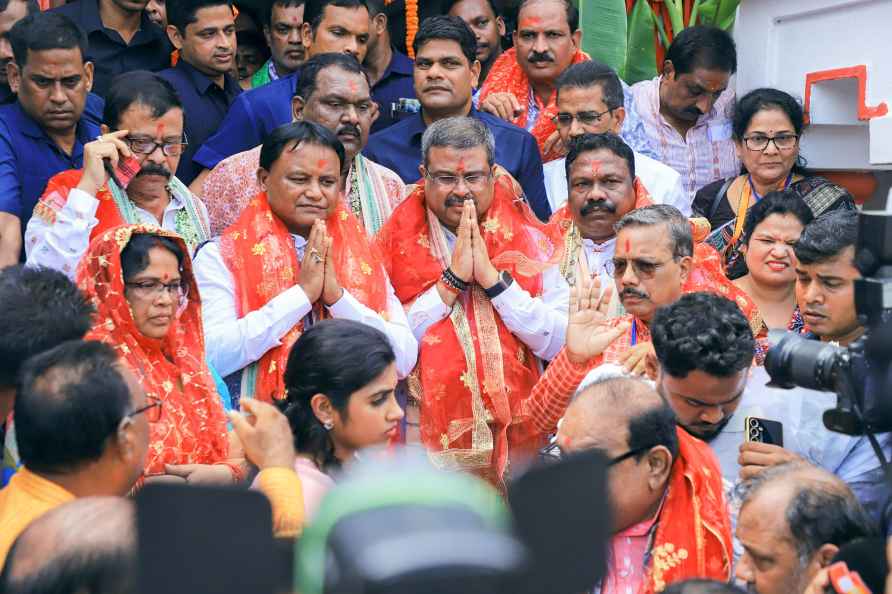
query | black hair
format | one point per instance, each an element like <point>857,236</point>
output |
<point>780,203</point>
<point>592,73</point>
<point>41,308</point>
<point>183,13</point>
<point>135,255</point>
<point>70,400</point>
<point>43,31</point>
<point>596,142</point>
<point>268,8</point>
<point>817,516</point>
<point>761,99</point>
<point>451,3</point>
<point>450,28</point>
<point>702,586</point>
<point>652,427</point>
<point>32,5</point>
<point>572,13</point>
<point>142,87</point>
<point>335,358</point>
<point>827,236</point>
<point>702,46</point>
<point>309,71</point>
<point>867,556</point>
<point>249,37</point>
<point>314,10</point>
<point>702,332</point>
<point>376,7</point>
<point>294,134</point>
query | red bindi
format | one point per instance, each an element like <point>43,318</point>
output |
<point>461,165</point>
<point>628,247</point>
<point>165,277</point>
<point>321,163</point>
<point>159,131</point>
<point>352,86</point>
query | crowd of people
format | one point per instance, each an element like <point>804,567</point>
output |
<point>242,248</point>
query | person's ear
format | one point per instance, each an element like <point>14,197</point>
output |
<point>13,76</point>
<point>475,73</point>
<point>659,467</point>
<point>380,22</point>
<point>322,409</point>
<point>104,129</point>
<point>500,25</point>
<point>262,178</point>
<point>669,70</point>
<point>297,108</point>
<point>825,555</point>
<point>125,439</point>
<point>577,37</point>
<point>619,116</point>
<point>306,35</point>
<point>175,37</point>
<point>422,170</point>
<point>267,35</point>
<point>684,268</point>
<point>88,75</point>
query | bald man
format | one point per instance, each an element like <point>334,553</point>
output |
<point>793,519</point>
<point>664,486</point>
<point>88,545</point>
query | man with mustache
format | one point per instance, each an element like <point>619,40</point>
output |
<point>446,71</point>
<point>128,177</point>
<point>332,91</point>
<point>476,272</point>
<point>687,110</point>
<point>204,33</point>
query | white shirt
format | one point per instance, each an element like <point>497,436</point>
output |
<point>662,182</point>
<point>61,245</point>
<point>539,322</point>
<point>233,343</point>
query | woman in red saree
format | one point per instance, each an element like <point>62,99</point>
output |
<point>140,280</point>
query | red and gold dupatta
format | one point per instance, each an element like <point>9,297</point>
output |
<point>192,428</point>
<point>259,252</point>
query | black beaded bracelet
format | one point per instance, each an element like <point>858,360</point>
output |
<point>453,281</point>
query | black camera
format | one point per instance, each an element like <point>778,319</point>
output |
<point>860,373</point>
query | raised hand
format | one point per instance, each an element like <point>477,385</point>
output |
<point>462,264</point>
<point>331,288</point>
<point>589,331</point>
<point>108,147</point>
<point>485,274</point>
<point>312,267</point>
<point>265,435</point>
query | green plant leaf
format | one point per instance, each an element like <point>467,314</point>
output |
<point>641,57</point>
<point>727,13</point>
<point>676,15</point>
<point>603,24</point>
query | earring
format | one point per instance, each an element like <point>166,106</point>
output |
<point>328,425</point>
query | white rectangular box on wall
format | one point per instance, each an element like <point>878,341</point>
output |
<point>836,57</point>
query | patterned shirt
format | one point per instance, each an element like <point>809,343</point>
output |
<point>705,154</point>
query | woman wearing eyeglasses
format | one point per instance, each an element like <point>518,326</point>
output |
<point>147,307</point>
<point>768,124</point>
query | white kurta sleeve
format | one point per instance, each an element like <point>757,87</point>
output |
<point>62,244</point>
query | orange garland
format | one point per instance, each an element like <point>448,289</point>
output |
<point>411,26</point>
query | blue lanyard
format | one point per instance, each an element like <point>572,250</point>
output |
<point>634,331</point>
<point>749,178</point>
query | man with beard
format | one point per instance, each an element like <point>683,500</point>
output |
<point>483,17</point>
<point>127,178</point>
<point>333,91</point>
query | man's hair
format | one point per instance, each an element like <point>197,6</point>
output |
<point>314,10</point>
<point>43,31</point>
<point>451,3</point>
<point>823,509</point>
<point>776,203</point>
<point>182,13</point>
<point>255,39</point>
<point>70,400</point>
<point>309,71</point>
<point>663,214</point>
<point>827,236</point>
<point>596,142</point>
<point>86,545</point>
<point>460,133</point>
<point>591,73</point>
<point>572,12</point>
<point>377,7</point>
<point>335,358</point>
<point>41,308</point>
<point>450,28</point>
<point>138,87</point>
<point>701,586</point>
<point>32,5</point>
<point>292,135</point>
<point>270,4</point>
<point>702,332</point>
<point>703,46</point>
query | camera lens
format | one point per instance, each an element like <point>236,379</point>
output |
<point>796,361</point>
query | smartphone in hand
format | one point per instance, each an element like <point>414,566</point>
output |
<point>764,431</point>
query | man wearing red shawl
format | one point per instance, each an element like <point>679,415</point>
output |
<point>466,256</point>
<point>670,519</point>
<point>294,256</point>
<point>520,87</point>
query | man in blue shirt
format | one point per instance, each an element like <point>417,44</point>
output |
<point>329,26</point>
<point>121,38</point>
<point>446,71</point>
<point>44,131</point>
<point>389,70</point>
<point>204,32</point>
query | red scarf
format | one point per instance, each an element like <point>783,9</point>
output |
<point>507,76</point>
<point>473,376</point>
<point>259,252</point>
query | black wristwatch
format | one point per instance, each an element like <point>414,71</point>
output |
<point>505,280</point>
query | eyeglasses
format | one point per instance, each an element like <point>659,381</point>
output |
<point>147,146</point>
<point>151,289</point>
<point>759,142</point>
<point>643,268</point>
<point>473,181</point>
<point>586,118</point>
<point>552,453</point>
<point>152,410</point>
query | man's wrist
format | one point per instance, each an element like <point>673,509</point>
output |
<point>498,286</point>
<point>329,303</point>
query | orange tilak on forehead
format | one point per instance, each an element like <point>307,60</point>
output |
<point>596,168</point>
<point>159,131</point>
<point>461,165</point>
<point>322,163</point>
<point>352,86</point>
<point>165,277</point>
<point>530,21</point>
<point>628,246</point>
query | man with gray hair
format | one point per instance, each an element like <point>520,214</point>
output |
<point>793,520</point>
<point>469,260</point>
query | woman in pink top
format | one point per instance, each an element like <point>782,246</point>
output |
<point>340,382</point>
